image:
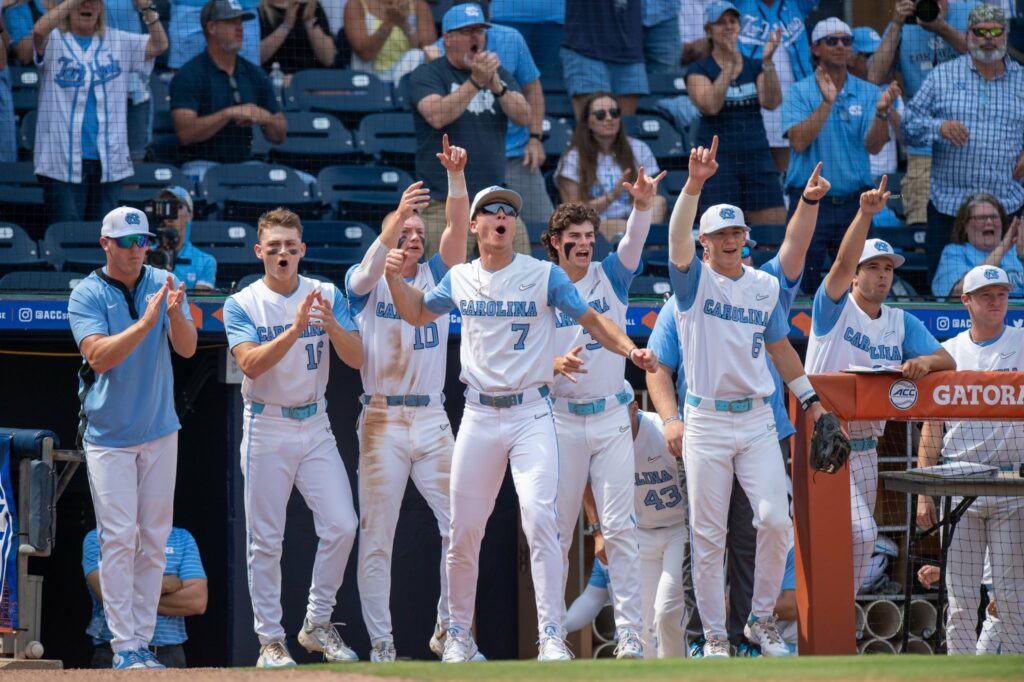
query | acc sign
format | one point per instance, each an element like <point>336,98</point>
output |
<point>903,394</point>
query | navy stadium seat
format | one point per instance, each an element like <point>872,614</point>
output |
<point>390,138</point>
<point>333,246</point>
<point>558,104</point>
<point>314,140</point>
<point>661,86</point>
<point>18,251</point>
<point>148,180</point>
<point>244,191</point>
<point>909,242</point>
<point>347,93</point>
<point>556,136</point>
<point>768,236</point>
<point>402,96</point>
<point>21,197</point>
<point>650,286</point>
<point>160,92</point>
<point>673,185</point>
<point>73,246</point>
<point>36,280</point>
<point>365,193</point>
<point>666,144</point>
<point>535,231</point>
<point>24,88</point>
<point>231,243</point>
<point>27,132</point>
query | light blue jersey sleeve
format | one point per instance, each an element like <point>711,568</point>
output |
<point>239,326</point>
<point>191,567</point>
<point>356,303</point>
<point>90,553</point>
<point>341,313</point>
<point>825,312</point>
<point>917,340</point>
<point>778,324</point>
<point>619,275</point>
<point>437,267</point>
<point>789,577</point>
<point>87,312</point>
<point>439,299</point>
<point>562,294</point>
<point>787,288</point>
<point>684,284</point>
<point>664,338</point>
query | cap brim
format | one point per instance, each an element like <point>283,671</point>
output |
<point>508,195</point>
<point>897,259</point>
<point>1009,286</point>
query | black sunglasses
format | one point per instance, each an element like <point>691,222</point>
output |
<point>493,208</point>
<point>601,114</point>
<point>832,41</point>
<point>235,94</point>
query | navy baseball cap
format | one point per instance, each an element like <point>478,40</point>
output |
<point>461,16</point>
<point>223,10</point>
<point>714,11</point>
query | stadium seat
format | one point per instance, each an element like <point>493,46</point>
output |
<point>389,138</point>
<point>365,193</point>
<point>21,197</point>
<point>160,92</point>
<point>673,185</point>
<point>148,180</point>
<point>558,104</point>
<point>231,243</point>
<point>656,252</point>
<point>314,140</point>
<point>649,286</point>
<point>18,251</point>
<point>24,88</point>
<point>909,242</point>
<point>661,86</point>
<point>666,144</point>
<point>347,93</point>
<point>337,233</point>
<point>401,95</point>
<point>768,236</point>
<point>244,191</point>
<point>73,246</point>
<point>553,83</point>
<point>556,136</point>
<point>27,132</point>
<point>45,280</point>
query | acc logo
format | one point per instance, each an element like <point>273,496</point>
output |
<point>727,213</point>
<point>132,219</point>
<point>903,394</point>
<point>991,273</point>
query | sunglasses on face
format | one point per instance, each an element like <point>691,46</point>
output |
<point>832,41</point>
<point>746,252</point>
<point>492,209</point>
<point>988,32</point>
<point>139,240</point>
<point>601,114</point>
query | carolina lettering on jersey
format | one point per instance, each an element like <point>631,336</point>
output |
<point>732,313</point>
<point>600,305</point>
<point>653,477</point>
<point>863,342</point>
<point>387,311</point>
<point>266,334</point>
<point>474,308</point>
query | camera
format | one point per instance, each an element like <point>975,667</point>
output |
<point>159,210</point>
<point>163,252</point>
<point>924,10</point>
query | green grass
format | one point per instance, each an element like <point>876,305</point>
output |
<point>846,668</point>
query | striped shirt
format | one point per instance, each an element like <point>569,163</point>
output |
<point>992,111</point>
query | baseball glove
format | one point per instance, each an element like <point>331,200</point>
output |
<point>830,448</point>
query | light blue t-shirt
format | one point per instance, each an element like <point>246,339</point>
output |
<point>18,20</point>
<point>91,122</point>
<point>131,403</point>
<point>200,270</point>
<point>531,12</point>
<point>958,259</point>
<point>840,144</point>
<point>183,561</point>
<point>122,15</point>
<point>356,302</point>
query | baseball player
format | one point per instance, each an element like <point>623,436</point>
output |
<point>741,542</point>
<point>850,325</point>
<point>508,303</point>
<point>731,319</point>
<point>992,524</point>
<point>280,330</point>
<point>591,407</point>
<point>403,428</point>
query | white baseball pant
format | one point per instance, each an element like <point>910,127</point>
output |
<point>717,445</point>
<point>601,446</point>
<point>394,443</point>
<point>863,491</point>
<point>661,590</point>
<point>522,436</point>
<point>996,524</point>
<point>133,496</point>
<point>277,454</point>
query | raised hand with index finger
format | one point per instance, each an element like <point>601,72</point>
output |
<point>817,186</point>
<point>874,200</point>
<point>702,161</point>
<point>451,157</point>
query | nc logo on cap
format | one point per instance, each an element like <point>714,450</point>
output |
<point>991,273</point>
<point>235,4</point>
<point>882,246</point>
<point>727,214</point>
<point>132,219</point>
<point>472,11</point>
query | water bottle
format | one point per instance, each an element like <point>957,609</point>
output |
<point>277,83</point>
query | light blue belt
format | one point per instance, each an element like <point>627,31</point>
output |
<point>623,397</point>
<point>744,405</point>
<point>408,400</point>
<point>298,412</point>
<point>862,444</point>
<point>509,399</point>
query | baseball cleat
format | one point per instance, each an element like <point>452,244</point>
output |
<point>129,659</point>
<point>383,653</point>
<point>150,659</point>
<point>325,639</point>
<point>275,655</point>
<point>458,647</point>
<point>764,633</point>
<point>697,647</point>
<point>716,646</point>
<point>629,645</point>
<point>551,646</point>
<point>440,636</point>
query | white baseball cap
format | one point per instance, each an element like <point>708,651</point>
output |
<point>830,26</point>
<point>879,248</point>
<point>986,276</point>
<point>721,216</point>
<point>124,221</point>
<point>495,193</point>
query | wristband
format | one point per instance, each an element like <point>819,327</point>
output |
<point>881,115</point>
<point>504,90</point>
<point>537,136</point>
<point>475,84</point>
<point>457,185</point>
<point>809,202</point>
<point>810,401</point>
<point>592,528</point>
<point>675,418</point>
<point>150,23</point>
<point>801,388</point>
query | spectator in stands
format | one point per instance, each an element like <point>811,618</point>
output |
<point>914,48</point>
<point>601,158</point>
<point>219,95</point>
<point>20,18</point>
<point>662,48</point>
<point>983,234</point>
<point>759,20</point>
<point>971,111</point>
<point>388,36</point>
<point>691,30</point>
<point>188,31</point>
<point>470,96</point>
<point>603,51</point>
<point>293,47</point>
<point>197,269</point>
<point>729,89</point>
<point>121,14</point>
<point>540,22</point>
<point>8,130</point>
<point>82,157</point>
<point>865,42</point>
<point>183,592</point>
<point>524,150</point>
<point>834,117</point>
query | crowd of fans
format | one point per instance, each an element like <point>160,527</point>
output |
<point>783,92</point>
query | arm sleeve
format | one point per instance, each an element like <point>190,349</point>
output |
<point>664,339</point>
<point>360,278</point>
<point>439,299</point>
<point>825,312</point>
<point>778,324</point>
<point>239,326</point>
<point>684,284</point>
<point>90,553</point>
<point>630,248</point>
<point>949,271</point>
<point>191,566</point>
<point>917,340</point>
<point>619,274</point>
<point>341,314</point>
<point>562,293</point>
<point>87,315</point>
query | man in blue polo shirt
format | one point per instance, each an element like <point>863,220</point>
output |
<point>196,268</point>
<point>836,118</point>
<point>122,316</point>
<point>183,593</point>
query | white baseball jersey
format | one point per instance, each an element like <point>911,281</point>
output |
<point>843,335</point>
<point>508,337</point>
<point>986,442</point>
<point>258,314</point>
<point>397,357</point>
<point>658,502</point>
<point>605,288</point>
<point>726,322</point>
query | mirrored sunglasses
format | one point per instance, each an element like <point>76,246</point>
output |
<point>492,209</point>
<point>602,114</point>
<point>988,32</point>
<point>127,242</point>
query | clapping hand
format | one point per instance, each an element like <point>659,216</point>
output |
<point>828,89</point>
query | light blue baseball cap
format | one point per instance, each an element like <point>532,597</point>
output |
<point>714,10</point>
<point>866,40</point>
<point>461,16</point>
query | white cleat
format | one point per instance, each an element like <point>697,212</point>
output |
<point>716,646</point>
<point>551,646</point>
<point>765,633</point>
<point>383,653</point>
<point>629,645</point>
<point>440,636</point>
<point>459,647</point>
<point>325,639</point>
<point>275,655</point>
